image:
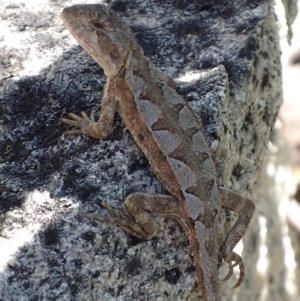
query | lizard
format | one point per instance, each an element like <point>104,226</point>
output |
<point>171,137</point>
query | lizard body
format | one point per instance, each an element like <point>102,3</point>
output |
<point>171,137</point>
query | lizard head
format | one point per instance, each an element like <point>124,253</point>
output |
<point>101,33</point>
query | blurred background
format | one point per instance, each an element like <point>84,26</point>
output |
<point>289,117</point>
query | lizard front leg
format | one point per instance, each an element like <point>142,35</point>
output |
<point>245,208</point>
<point>89,127</point>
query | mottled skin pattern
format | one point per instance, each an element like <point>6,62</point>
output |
<point>171,137</point>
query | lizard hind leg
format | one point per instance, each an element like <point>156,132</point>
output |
<point>238,261</point>
<point>245,209</point>
<point>124,222</point>
<point>138,220</point>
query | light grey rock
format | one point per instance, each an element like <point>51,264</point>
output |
<point>226,60</point>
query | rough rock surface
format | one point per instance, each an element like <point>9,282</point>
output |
<point>226,59</point>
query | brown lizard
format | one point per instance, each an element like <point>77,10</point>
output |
<point>171,137</point>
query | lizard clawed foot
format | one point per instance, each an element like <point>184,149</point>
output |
<point>237,259</point>
<point>87,126</point>
<point>82,123</point>
<point>129,225</point>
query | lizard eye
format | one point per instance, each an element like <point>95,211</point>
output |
<point>98,24</point>
<point>102,25</point>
